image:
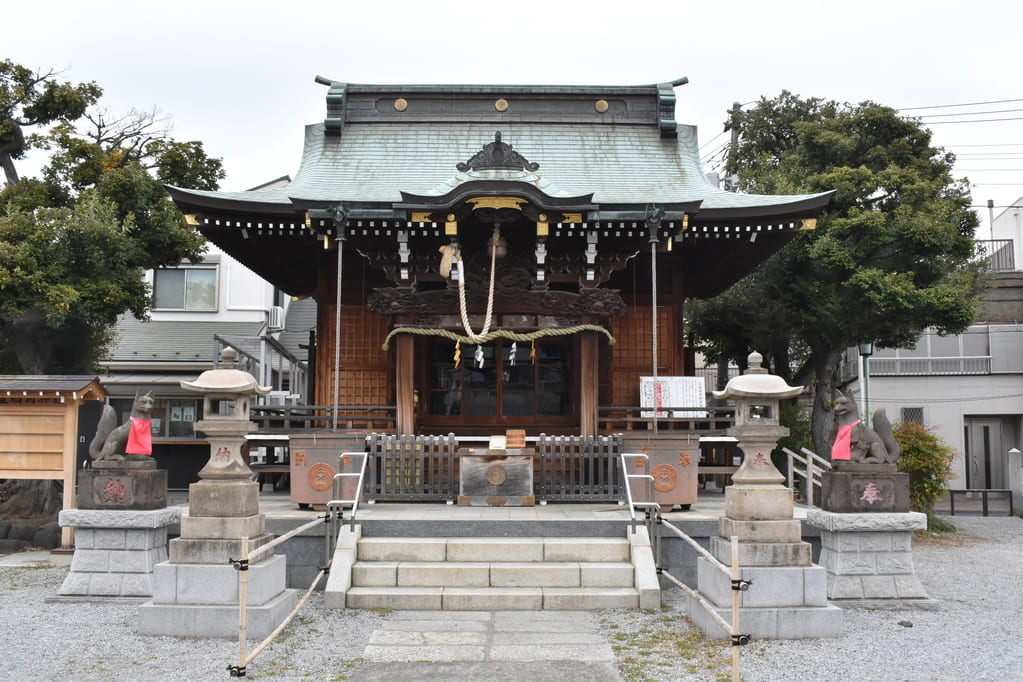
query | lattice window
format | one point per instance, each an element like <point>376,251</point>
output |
<point>632,352</point>
<point>913,414</point>
<point>362,334</point>
<point>364,364</point>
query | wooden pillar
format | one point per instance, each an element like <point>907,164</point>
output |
<point>404,379</point>
<point>589,382</point>
<point>70,466</point>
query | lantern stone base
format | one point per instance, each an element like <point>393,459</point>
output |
<point>223,498</point>
<point>783,602</point>
<point>758,502</point>
<point>201,600</point>
<point>869,557</point>
<point>787,597</point>
<point>115,552</point>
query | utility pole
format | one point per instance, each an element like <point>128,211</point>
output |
<point>732,180</point>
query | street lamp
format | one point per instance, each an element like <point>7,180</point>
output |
<point>866,350</point>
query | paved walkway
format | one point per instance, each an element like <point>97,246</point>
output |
<point>488,645</point>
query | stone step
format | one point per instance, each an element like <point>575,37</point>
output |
<point>493,598</point>
<point>474,549</point>
<point>487,573</point>
<point>492,574</point>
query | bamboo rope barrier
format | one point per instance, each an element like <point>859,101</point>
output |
<point>266,642</point>
<point>290,534</point>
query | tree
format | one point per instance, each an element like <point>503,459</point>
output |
<point>30,98</point>
<point>891,256</point>
<point>74,245</point>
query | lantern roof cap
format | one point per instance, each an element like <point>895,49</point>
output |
<point>756,382</point>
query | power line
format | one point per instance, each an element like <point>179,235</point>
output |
<point>965,104</point>
<point>971,113</point>
<point>711,140</point>
<point>979,120</point>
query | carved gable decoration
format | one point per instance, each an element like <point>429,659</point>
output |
<point>497,155</point>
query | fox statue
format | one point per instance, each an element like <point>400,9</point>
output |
<point>858,443</point>
<point>130,440</point>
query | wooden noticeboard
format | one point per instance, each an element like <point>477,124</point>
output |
<point>39,429</point>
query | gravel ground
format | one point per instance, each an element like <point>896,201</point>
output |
<point>973,634</point>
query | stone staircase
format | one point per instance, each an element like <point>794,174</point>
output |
<point>492,573</point>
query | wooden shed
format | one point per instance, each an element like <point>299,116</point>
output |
<point>44,421</point>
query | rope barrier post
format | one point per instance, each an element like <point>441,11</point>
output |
<point>242,565</point>
<point>736,580</point>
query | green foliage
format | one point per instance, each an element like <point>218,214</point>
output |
<point>936,524</point>
<point>29,98</point>
<point>793,415</point>
<point>891,256</point>
<point>927,460</point>
<point>74,244</point>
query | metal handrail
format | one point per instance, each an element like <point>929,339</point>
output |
<point>811,474</point>
<point>336,505</point>
<point>628,488</point>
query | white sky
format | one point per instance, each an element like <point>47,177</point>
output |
<point>239,76</point>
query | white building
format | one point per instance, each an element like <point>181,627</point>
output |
<point>199,309</point>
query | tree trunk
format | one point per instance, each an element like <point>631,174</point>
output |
<point>10,172</point>
<point>825,364</point>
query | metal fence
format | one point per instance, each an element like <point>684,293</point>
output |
<point>998,253</point>
<point>425,468</point>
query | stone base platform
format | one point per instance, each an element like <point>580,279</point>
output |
<point>201,600</point>
<point>782,602</point>
<point>116,551</point>
<point>868,557</point>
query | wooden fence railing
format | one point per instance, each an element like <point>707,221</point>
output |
<point>290,417</point>
<point>708,421</point>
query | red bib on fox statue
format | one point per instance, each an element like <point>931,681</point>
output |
<point>843,442</point>
<point>140,437</point>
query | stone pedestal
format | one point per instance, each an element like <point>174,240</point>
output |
<point>868,557</point>
<point>865,488</point>
<point>116,551</point>
<point>196,592</point>
<point>122,484</point>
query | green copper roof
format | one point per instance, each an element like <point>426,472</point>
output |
<point>370,152</point>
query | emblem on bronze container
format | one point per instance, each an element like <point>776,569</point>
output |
<point>321,476</point>
<point>665,478</point>
<point>496,475</point>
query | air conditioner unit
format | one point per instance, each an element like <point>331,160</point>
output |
<point>275,322</point>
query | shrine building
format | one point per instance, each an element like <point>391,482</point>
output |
<point>490,258</point>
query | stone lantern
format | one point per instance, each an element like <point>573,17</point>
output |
<point>757,395</point>
<point>225,419</point>
<point>788,599</point>
<point>196,592</point>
